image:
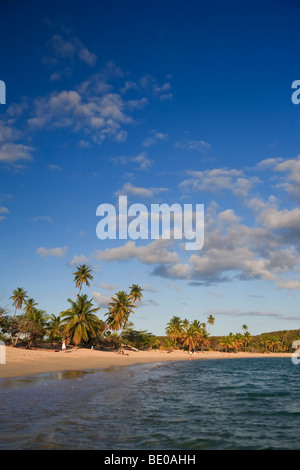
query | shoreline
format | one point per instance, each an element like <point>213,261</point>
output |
<point>23,362</point>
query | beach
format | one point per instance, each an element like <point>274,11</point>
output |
<point>23,362</point>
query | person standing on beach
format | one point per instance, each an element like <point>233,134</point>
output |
<point>64,347</point>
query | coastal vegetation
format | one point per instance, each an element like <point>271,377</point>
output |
<point>80,326</point>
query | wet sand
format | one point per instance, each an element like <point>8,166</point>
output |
<point>22,362</point>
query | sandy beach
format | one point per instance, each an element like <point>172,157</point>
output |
<point>22,362</point>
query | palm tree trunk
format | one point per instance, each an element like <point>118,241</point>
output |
<point>79,291</point>
<point>108,326</point>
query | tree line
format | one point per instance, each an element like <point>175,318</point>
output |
<point>79,325</point>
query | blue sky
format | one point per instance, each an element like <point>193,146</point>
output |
<point>165,102</point>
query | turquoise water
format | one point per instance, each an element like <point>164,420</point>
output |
<point>214,404</point>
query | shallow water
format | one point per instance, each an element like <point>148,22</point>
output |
<point>212,404</point>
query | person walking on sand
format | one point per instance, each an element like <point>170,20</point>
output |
<point>63,347</point>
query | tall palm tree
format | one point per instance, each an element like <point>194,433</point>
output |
<point>30,305</point>
<point>82,276</point>
<point>210,320</point>
<point>18,297</point>
<point>81,323</point>
<point>174,329</point>
<point>136,292</point>
<point>120,309</point>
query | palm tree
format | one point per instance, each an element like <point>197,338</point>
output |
<point>226,342</point>
<point>19,297</point>
<point>38,316</point>
<point>265,342</point>
<point>174,329</point>
<point>120,309</point>
<point>82,276</point>
<point>191,337</point>
<point>210,320</point>
<point>55,327</point>
<point>274,342</point>
<point>237,341</point>
<point>81,322</point>
<point>197,324</point>
<point>136,292</point>
<point>203,334</point>
<point>283,339</point>
<point>33,324</point>
<point>205,339</point>
<point>247,339</point>
<point>30,305</point>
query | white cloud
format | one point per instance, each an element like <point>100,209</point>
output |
<point>130,189</point>
<point>291,170</point>
<point>7,132</point>
<point>129,85</point>
<point>289,284</point>
<point>142,162</point>
<point>86,56</point>
<point>280,219</point>
<point>238,313</point>
<point>220,179</point>
<point>292,167</point>
<point>54,167</point>
<point>58,252</point>
<point>68,49</point>
<point>98,116</point>
<point>149,288</point>
<point>78,260</point>
<point>110,287</point>
<point>234,251</point>
<point>11,153</point>
<point>101,300</point>
<point>195,144</point>
<point>42,218</point>
<point>154,138</point>
<point>153,253</point>
<point>3,210</point>
<point>268,163</point>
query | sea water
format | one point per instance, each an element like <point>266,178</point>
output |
<point>209,404</point>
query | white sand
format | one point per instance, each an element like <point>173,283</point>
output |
<point>21,362</point>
